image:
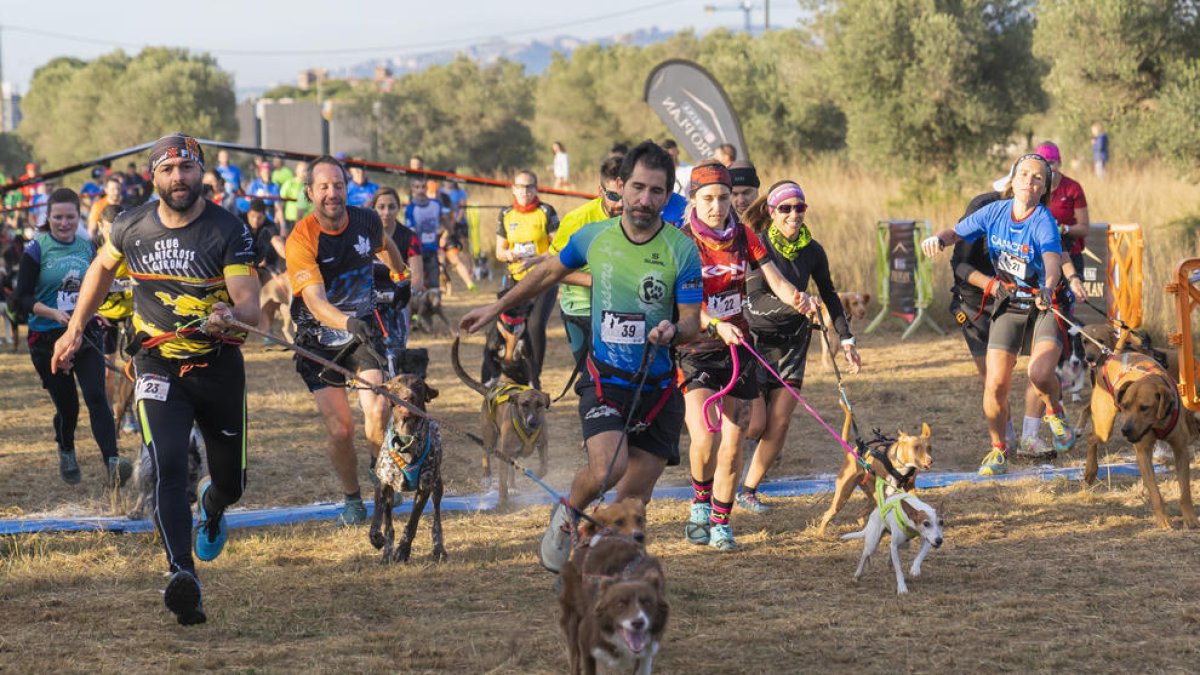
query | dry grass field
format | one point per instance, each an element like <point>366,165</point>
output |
<point>1034,577</point>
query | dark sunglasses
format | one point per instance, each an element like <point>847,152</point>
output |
<point>788,208</point>
<point>610,195</point>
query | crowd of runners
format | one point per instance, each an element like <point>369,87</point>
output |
<point>671,284</point>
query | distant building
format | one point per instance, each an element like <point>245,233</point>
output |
<point>10,107</point>
<point>309,78</point>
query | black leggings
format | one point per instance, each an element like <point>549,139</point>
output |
<point>88,371</point>
<point>209,390</point>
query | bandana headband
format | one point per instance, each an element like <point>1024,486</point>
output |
<point>783,193</point>
<point>175,146</point>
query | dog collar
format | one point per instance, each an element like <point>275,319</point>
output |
<point>1161,434</point>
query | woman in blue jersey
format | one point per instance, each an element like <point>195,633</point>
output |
<point>1023,244</point>
<point>52,270</point>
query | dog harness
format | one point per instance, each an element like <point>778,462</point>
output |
<point>1114,373</point>
<point>399,446</point>
<point>886,507</point>
<point>503,393</point>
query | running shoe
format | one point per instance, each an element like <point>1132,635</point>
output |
<point>354,512</point>
<point>1032,447</point>
<point>751,502</point>
<point>68,467</point>
<point>182,596</point>
<point>697,527</point>
<point>119,471</point>
<point>556,540</point>
<point>994,464</point>
<point>1064,435</point>
<point>722,538</point>
<point>211,533</point>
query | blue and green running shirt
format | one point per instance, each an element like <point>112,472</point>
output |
<point>634,287</point>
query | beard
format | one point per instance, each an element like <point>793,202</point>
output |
<point>332,212</point>
<point>642,220</point>
<point>184,203</point>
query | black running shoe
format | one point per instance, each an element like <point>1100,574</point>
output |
<point>182,596</point>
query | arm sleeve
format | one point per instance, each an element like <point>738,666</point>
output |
<point>27,278</point>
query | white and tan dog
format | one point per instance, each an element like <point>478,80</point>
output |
<point>907,518</point>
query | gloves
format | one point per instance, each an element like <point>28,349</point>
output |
<point>932,246</point>
<point>362,331</point>
<point>1000,292</point>
<point>1045,298</point>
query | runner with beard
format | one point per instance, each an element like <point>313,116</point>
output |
<point>646,296</point>
<point>191,263</point>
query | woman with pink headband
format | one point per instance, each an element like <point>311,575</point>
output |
<point>781,333</point>
<point>729,252</point>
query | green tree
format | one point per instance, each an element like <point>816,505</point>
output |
<point>76,110</point>
<point>927,83</point>
<point>14,154</point>
<point>458,115</point>
<point>1111,60</point>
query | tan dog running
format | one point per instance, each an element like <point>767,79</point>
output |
<point>1139,392</point>
<point>898,466</point>
<point>513,421</point>
<point>854,306</point>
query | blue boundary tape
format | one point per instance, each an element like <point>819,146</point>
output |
<point>288,515</point>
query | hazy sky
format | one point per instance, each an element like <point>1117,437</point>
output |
<point>266,42</point>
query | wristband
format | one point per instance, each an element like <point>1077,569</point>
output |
<point>711,328</point>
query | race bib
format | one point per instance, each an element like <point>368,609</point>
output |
<point>428,237</point>
<point>623,328</point>
<point>153,387</point>
<point>1011,264</point>
<point>524,249</point>
<point>66,300</point>
<point>724,305</point>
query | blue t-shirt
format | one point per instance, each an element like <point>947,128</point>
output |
<point>1015,248</point>
<point>91,188</point>
<point>634,287</point>
<point>360,195</point>
<point>260,188</point>
<point>674,209</point>
<point>233,178</point>
<point>425,220</point>
<point>60,274</point>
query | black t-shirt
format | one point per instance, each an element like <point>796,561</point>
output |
<point>264,252</point>
<point>179,273</point>
<point>971,257</point>
<point>769,316</point>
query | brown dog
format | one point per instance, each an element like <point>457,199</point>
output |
<point>410,460</point>
<point>513,419</point>
<point>897,466</point>
<point>1136,389</point>
<point>612,598</point>
<point>854,306</point>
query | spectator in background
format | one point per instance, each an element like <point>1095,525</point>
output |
<point>214,191</point>
<point>230,172</point>
<point>297,205</point>
<point>745,186</point>
<point>726,154</point>
<point>683,172</point>
<point>137,185</point>
<point>264,189</point>
<point>41,197</point>
<point>561,167</point>
<point>360,191</point>
<point>27,191</point>
<point>269,252</point>
<point>280,174</point>
<point>112,197</point>
<point>1099,149</point>
<point>92,189</point>
<point>416,163</point>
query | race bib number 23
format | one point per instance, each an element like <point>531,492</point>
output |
<point>153,387</point>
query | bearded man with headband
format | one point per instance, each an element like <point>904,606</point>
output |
<point>192,264</point>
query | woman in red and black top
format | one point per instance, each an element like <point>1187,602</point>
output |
<point>1068,205</point>
<point>728,251</point>
<point>393,310</point>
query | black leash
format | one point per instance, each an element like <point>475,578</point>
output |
<point>644,370</point>
<point>837,377</point>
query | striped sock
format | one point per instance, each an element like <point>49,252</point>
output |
<point>701,492</point>
<point>720,512</point>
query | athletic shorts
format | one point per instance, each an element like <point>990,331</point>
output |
<point>357,359</point>
<point>1017,332</point>
<point>787,357</point>
<point>660,438</point>
<point>714,370</point>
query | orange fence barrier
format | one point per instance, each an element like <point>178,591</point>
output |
<point>1126,246</point>
<point>1187,299</point>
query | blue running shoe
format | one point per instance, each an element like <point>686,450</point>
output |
<point>722,538</point>
<point>210,534</point>
<point>697,527</point>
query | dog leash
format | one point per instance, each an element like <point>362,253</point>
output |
<point>1077,329</point>
<point>395,400</point>
<point>719,396</point>
<point>644,369</point>
<point>837,378</point>
<point>796,395</point>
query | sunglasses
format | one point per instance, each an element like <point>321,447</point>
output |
<point>610,195</point>
<point>788,208</point>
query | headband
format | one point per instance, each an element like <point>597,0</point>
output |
<point>709,174</point>
<point>783,193</point>
<point>175,146</point>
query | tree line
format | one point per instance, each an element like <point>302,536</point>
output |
<point>919,87</point>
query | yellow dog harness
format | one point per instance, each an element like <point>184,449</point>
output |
<point>503,393</point>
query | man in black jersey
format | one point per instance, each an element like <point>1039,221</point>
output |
<point>330,261</point>
<point>191,261</point>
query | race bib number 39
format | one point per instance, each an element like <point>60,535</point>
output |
<point>153,387</point>
<point>622,328</point>
<point>724,305</point>
<point>66,300</point>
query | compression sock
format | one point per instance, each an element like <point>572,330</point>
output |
<point>1030,427</point>
<point>720,512</point>
<point>701,492</point>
